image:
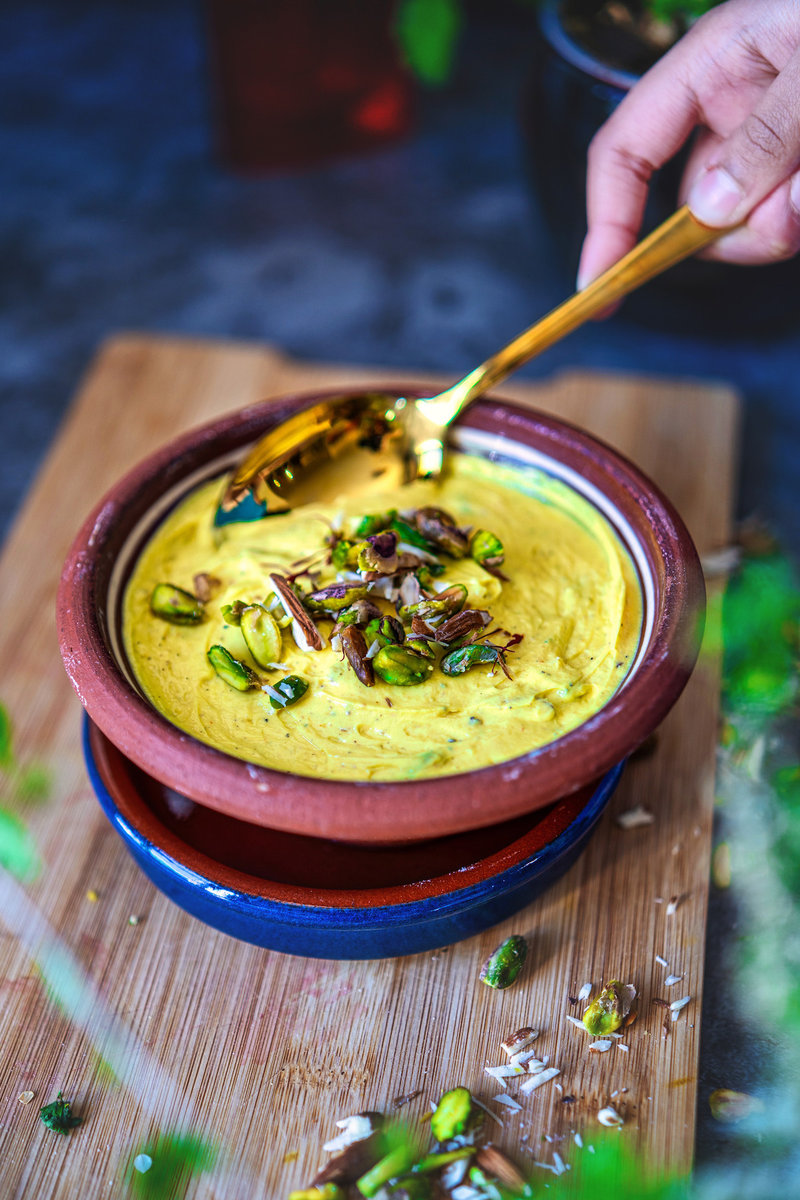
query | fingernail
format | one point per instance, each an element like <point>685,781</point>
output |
<point>715,196</point>
<point>794,193</point>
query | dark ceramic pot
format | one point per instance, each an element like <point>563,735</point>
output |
<point>571,92</point>
<point>308,896</point>
<point>105,550</point>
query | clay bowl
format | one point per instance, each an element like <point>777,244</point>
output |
<point>309,896</point>
<point>106,547</point>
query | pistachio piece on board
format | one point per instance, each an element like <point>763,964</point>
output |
<point>261,635</point>
<point>176,605</point>
<point>505,963</point>
<point>606,1013</point>
<point>234,672</point>
<point>452,1114</point>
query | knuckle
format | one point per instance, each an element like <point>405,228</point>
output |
<point>763,138</point>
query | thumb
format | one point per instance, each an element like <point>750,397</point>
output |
<point>755,158</point>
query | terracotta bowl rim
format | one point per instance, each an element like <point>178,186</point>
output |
<point>569,823</point>
<point>385,811</point>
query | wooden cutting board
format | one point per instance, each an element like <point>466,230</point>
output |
<point>164,1025</point>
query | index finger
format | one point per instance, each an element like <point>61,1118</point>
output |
<point>646,130</point>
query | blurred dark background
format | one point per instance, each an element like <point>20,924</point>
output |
<point>117,211</point>
<point>426,241</point>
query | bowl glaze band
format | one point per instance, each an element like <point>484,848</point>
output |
<point>362,811</point>
<point>339,924</point>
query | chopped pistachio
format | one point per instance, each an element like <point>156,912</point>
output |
<point>232,613</point>
<point>327,1191</point>
<point>433,1162</point>
<point>379,553</point>
<point>374,523</point>
<point>57,1116</point>
<point>445,604</point>
<point>422,646</point>
<point>486,548</point>
<point>261,635</point>
<point>438,527</point>
<point>452,1114</point>
<point>386,630</point>
<point>173,604</point>
<point>461,660</point>
<point>401,666</point>
<point>407,533</point>
<point>335,598</point>
<point>289,690</point>
<point>392,1165</point>
<point>505,963</point>
<point>608,1011</point>
<point>344,553</point>
<point>234,672</point>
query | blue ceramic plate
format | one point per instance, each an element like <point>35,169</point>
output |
<point>324,899</point>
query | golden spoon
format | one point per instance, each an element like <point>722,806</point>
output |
<point>393,439</point>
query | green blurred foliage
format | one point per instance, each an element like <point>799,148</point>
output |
<point>176,1159</point>
<point>427,31</point>
<point>17,849</point>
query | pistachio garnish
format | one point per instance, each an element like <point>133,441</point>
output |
<point>286,691</point>
<point>360,613</point>
<point>379,553</point>
<point>462,659</point>
<point>445,604</point>
<point>452,1114</point>
<point>440,529</point>
<point>487,549</point>
<point>387,631</point>
<point>205,586</point>
<point>401,666</point>
<point>335,598</point>
<point>407,533</point>
<point>261,635</point>
<point>462,624</point>
<point>374,523</point>
<point>232,613</point>
<point>354,647</point>
<point>301,621</point>
<point>609,1010</point>
<point>173,604</point>
<point>505,963</point>
<point>344,553</point>
<point>234,672</point>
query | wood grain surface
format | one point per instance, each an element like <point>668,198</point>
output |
<point>161,1027</point>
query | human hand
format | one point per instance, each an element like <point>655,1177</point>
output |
<point>735,78</point>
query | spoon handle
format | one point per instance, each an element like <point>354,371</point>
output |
<point>678,237</point>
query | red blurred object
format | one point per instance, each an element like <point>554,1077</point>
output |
<point>299,81</point>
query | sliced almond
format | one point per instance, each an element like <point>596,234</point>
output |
<point>296,611</point>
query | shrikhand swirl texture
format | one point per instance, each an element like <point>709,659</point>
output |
<point>572,592</point>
